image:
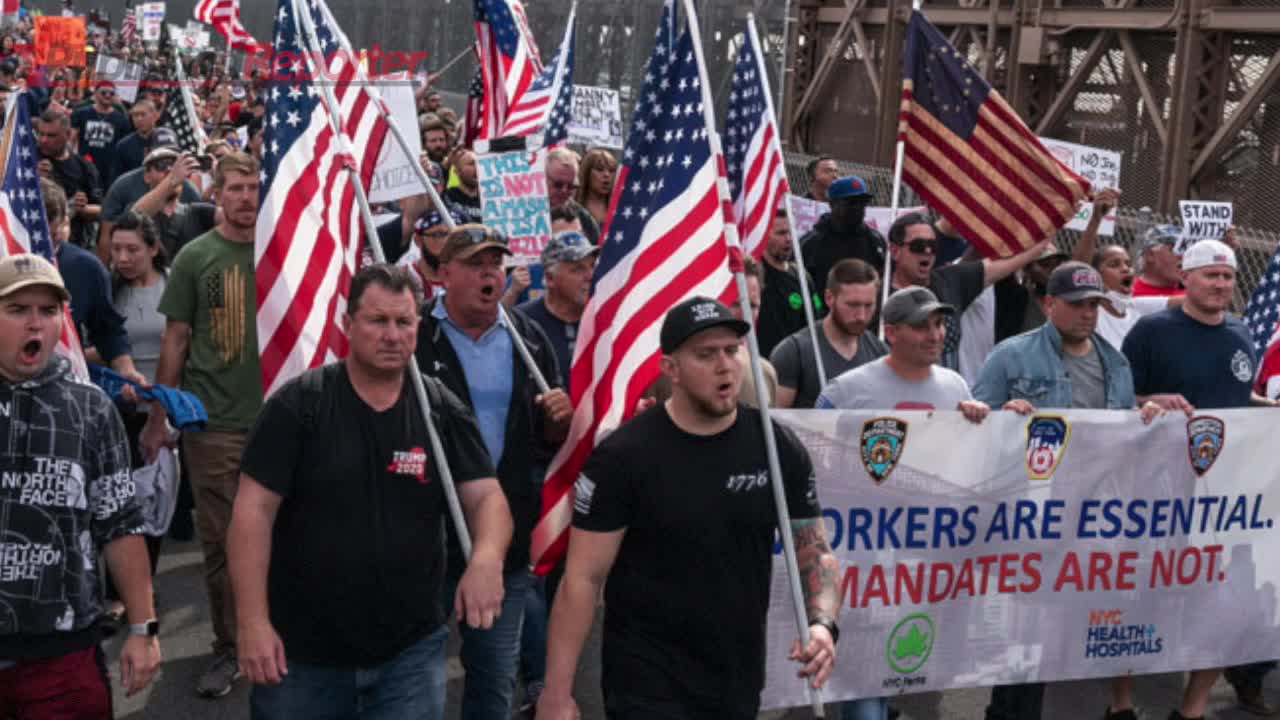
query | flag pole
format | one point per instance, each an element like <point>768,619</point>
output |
<point>893,217</point>
<point>303,18</point>
<point>753,347</point>
<point>801,274</point>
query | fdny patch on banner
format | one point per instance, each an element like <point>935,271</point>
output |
<point>882,441</point>
<point>1047,437</point>
<point>1205,437</point>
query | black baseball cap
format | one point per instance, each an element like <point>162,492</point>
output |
<point>913,305</point>
<point>694,315</point>
<point>1074,281</point>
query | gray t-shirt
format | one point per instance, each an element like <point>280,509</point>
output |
<point>797,369</point>
<point>143,323</point>
<point>1088,381</point>
<point>876,386</point>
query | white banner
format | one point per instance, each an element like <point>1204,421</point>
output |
<point>1063,546</point>
<point>1099,166</point>
<point>393,177</point>
<point>1203,220</point>
<point>150,20</point>
<point>126,76</point>
<point>596,120</point>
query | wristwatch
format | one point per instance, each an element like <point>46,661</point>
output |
<point>150,628</point>
<point>830,625</point>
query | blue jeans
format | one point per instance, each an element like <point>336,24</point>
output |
<point>865,709</point>
<point>410,685</point>
<point>491,657</point>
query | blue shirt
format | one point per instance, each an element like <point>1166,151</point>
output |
<point>488,364</point>
<point>563,335</point>
<point>1211,366</point>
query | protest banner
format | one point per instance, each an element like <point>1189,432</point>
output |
<point>881,219</point>
<point>1067,545</point>
<point>596,120</point>
<point>60,41</point>
<point>150,20</point>
<point>513,199</point>
<point>1099,166</point>
<point>394,176</point>
<point>805,214</point>
<point>126,76</point>
<point>1203,220</point>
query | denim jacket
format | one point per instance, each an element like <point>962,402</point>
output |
<point>1029,367</point>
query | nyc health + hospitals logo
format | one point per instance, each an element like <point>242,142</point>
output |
<point>1111,635</point>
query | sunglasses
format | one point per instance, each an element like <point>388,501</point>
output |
<point>107,93</point>
<point>920,247</point>
<point>478,234</point>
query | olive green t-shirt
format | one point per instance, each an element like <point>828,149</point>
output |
<point>211,288</point>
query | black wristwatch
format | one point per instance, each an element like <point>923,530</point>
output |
<point>830,625</point>
<point>150,628</point>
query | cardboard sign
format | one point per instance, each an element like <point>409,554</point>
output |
<point>127,76</point>
<point>60,41</point>
<point>596,120</point>
<point>151,20</point>
<point>1099,166</point>
<point>394,177</point>
<point>513,199</point>
<point>805,214</point>
<point>1203,220</point>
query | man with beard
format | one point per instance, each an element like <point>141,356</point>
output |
<point>782,304</point>
<point>843,232</point>
<point>167,171</point>
<point>853,287</point>
<point>568,262</point>
<point>423,258</point>
<point>435,141</point>
<point>675,546</point>
<point>465,196</point>
<point>210,349</point>
<point>99,125</point>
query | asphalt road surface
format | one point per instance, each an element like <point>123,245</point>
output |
<point>186,636</point>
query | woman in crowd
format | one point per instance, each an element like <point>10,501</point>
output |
<point>595,183</point>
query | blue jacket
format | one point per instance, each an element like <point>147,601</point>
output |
<point>1029,367</point>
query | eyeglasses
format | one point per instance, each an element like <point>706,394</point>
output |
<point>564,185</point>
<point>920,247</point>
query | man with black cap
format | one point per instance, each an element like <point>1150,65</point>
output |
<point>1063,364</point>
<point>842,233</point>
<point>466,343</point>
<point>568,262</point>
<point>674,510</point>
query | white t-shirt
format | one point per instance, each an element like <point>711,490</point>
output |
<point>977,334</point>
<point>1114,329</point>
<point>876,386</point>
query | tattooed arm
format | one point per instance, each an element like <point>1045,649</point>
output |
<point>818,580</point>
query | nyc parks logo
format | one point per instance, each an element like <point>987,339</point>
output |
<point>908,648</point>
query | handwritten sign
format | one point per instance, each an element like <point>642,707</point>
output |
<point>60,41</point>
<point>394,177</point>
<point>596,120</point>
<point>1203,220</point>
<point>513,199</point>
<point>1099,166</point>
<point>150,20</point>
<point>126,76</point>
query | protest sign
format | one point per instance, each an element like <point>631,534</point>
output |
<point>126,76</point>
<point>1203,220</point>
<point>60,41</point>
<point>805,214</point>
<point>1061,546</point>
<point>1099,166</point>
<point>881,219</point>
<point>394,177</point>
<point>513,199</point>
<point>150,20</point>
<point>596,120</point>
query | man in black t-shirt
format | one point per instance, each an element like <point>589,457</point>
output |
<point>782,302</point>
<point>843,232</point>
<point>76,176</point>
<point>675,510</point>
<point>336,546</point>
<point>99,125</point>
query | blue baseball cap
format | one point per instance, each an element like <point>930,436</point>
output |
<point>568,246</point>
<point>849,186</point>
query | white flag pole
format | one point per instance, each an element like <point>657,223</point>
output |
<point>893,217</point>
<point>303,18</point>
<point>762,398</point>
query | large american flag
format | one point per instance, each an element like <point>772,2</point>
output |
<point>474,120</point>
<point>224,16</point>
<point>309,229</point>
<point>970,156</point>
<point>546,106</point>
<point>664,241</point>
<point>23,221</point>
<point>757,171</point>
<point>1262,315</point>
<point>509,61</point>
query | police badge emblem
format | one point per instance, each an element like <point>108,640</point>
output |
<point>882,441</point>
<point>1206,436</point>
<point>1047,437</point>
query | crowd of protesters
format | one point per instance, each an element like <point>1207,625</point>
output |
<point>332,563</point>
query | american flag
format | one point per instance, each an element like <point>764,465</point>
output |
<point>1262,315</point>
<point>970,156</point>
<point>475,109</point>
<point>129,28</point>
<point>757,172</point>
<point>224,16</point>
<point>509,61</point>
<point>664,241</point>
<point>23,221</point>
<point>547,104</point>
<point>177,117</point>
<point>309,229</point>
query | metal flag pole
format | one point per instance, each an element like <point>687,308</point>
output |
<point>753,347</point>
<point>801,274</point>
<point>303,18</point>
